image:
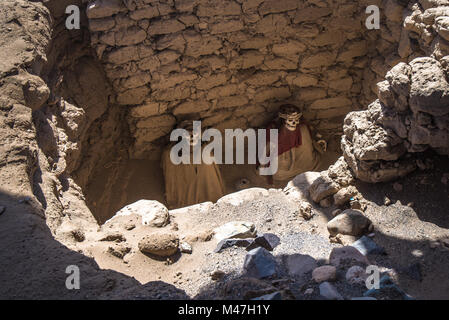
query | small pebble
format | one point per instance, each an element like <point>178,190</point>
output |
<point>398,187</point>
<point>308,291</point>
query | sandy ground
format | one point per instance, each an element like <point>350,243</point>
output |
<point>33,262</point>
<point>120,183</point>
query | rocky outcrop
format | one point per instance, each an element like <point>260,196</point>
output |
<point>411,113</point>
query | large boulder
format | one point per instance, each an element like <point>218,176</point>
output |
<point>153,213</point>
<point>240,197</point>
<point>298,188</point>
<point>349,222</point>
<point>159,244</point>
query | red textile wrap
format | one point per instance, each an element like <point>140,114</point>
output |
<point>286,139</point>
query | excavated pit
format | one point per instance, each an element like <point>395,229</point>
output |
<point>85,114</point>
<point>120,85</point>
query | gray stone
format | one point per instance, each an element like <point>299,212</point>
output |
<point>184,247</point>
<point>329,292</point>
<point>298,264</point>
<point>259,263</point>
<point>356,275</point>
<point>367,246</point>
<point>324,273</point>
<point>228,243</point>
<point>268,241</point>
<point>349,254</point>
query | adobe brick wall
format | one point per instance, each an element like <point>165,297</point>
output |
<point>231,63</point>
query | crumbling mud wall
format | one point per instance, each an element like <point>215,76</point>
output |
<point>57,124</point>
<point>411,114</point>
<point>26,34</point>
<point>231,63</point>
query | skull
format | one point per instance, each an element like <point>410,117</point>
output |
<point>195,138</point>
<point>291,123</point>
<point>290,115</point>
<point>192,137</point>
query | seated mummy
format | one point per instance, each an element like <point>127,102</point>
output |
<point>298,152</point>
<point>189,184</point>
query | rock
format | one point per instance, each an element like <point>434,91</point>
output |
<point>341,173</point>
<point>329,292</point>
<point>356,275</point>
<point>227,243</point>
<point>240,197</point>
<point>372,151</point>
<point>388,290</point>
<point>323,187</point>
<point>114,237</point>
<point>308,291</point>
<point>429,91</point>
<point>298,188</point>
<point>203,236</point>
<point>36,92</point>
<point>298,264</point>
<point>200,208</point>
<point>357,205</point>
<point>235,229</point>
<point>259,263</point>
<point>336,212</point>
<point>349,222</point>
<point>399,78</point>
<point>159,244</point>
<point>387,201</point>
<point>129,226</point>
<point>78,235</point>
<point>119,250</point>
<point>326,202</point>
<point>272,296</point>
<point>268,241</point>
<point>184,247</point>
<point>339,256</point>
<point>344,195</point>
<point>217,275</point>
<point>324,273</point>
<point>397,187</point>
<point>153,213</point>
<point>306,210</point>
<point>367,246</point>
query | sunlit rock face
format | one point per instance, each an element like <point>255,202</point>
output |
<point>411,114</point>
